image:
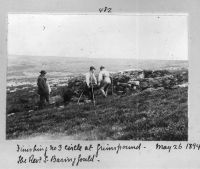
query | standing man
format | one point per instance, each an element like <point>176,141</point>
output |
<point>43,88</point>
<point>104,81</point>
<point>91,83</point>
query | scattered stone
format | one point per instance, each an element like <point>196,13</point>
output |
<point>11,114</point>
<point>134,82</point>
<point>124,84</point>
<point>139,121</point>
<point>154,89</point>
<point>183,85</point>
<point>61,107</point>
<point>149,89</point>
<point>55,99</point>
<point>88,101</point>
<point>155,73</point>
<point>144,84</point>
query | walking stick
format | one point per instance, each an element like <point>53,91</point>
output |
<point>112,84</point>
<point>93,98</point>
<point>93,94</point>
<point>80,97</point>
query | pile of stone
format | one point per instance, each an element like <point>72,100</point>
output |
<point>140,80</point>
<point>167,82</point>
<point>135,81</point>
<point>156,73</point>
<point>127,81</point>
<point>77,85</point>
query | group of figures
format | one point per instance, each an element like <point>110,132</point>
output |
<point>103,83</point>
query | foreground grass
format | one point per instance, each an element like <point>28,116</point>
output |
<point>155,115</point>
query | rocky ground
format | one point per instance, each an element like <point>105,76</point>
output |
<point>142,105</point>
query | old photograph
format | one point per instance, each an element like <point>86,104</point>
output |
<point>97,77</point>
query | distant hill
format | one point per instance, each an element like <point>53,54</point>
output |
<point>64,66</point>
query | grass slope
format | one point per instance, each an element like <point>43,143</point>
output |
<point>148,115</point>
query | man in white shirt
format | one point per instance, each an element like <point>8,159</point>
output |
<point>91,83</point>
<point>104,81</point>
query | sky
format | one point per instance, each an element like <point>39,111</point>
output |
<point>163,37</point>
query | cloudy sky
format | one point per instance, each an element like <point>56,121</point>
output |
<point>94,36</point>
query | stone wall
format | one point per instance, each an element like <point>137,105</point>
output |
<point>134,81</point>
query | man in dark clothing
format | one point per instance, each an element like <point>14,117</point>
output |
<point>43,89</point>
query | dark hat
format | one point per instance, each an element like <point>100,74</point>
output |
<point>102,67</point>
<point>43,72</point>
<point>92,68</point>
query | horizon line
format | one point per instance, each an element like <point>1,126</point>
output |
<point>12,56</point>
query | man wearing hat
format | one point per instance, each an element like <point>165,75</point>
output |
<point>91,82</point>
<point>104,81</point>
<point>43,88</point>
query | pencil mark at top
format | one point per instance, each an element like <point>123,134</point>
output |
<point>105,10</point>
